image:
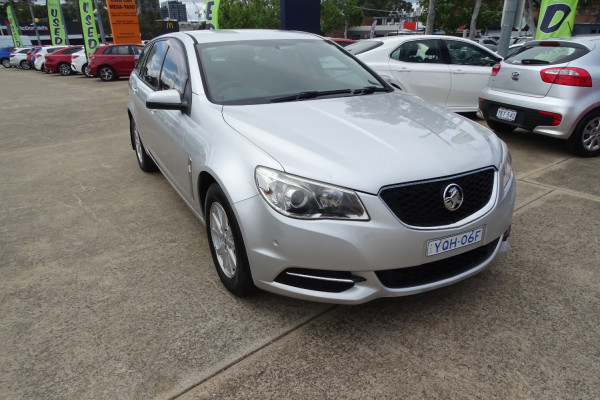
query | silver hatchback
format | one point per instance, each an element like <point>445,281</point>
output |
<point>549,87</point>
<point>314,177</point>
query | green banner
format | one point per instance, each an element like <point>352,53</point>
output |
<point>212,14</point>
<point>557,18</point>
<point>55,22</point>
<point>88,25</point>
<point>14,26</point>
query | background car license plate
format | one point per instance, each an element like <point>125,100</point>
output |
<point>506,114</point>
<point>442,245</point>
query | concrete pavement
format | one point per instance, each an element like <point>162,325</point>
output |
<point>108,290</point>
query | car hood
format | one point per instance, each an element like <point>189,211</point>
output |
<point>366,142</point>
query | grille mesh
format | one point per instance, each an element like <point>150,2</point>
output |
<point>422,203</point>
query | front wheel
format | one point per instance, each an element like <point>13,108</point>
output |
<point>86,71</point>
<point>6,63</point>
<point>144,161</point>
<point>106,73</point>
<point>226,243</point>
<point>500,127</point>
<point>64,69</point>
<point>585,139</point>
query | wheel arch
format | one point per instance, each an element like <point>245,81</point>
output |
<point>130,132</point>
<point>205,179</point>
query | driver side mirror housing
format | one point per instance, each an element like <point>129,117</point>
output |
<point>166,100</point>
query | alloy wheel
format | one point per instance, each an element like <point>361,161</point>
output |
<point>222,239</point>
<point>64,69</point>
<point>6,63</point>
<point>591,135</point>
<point>107,74</point>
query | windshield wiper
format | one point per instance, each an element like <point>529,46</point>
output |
<point>369,90</point>
<point>309,95</point>
<point>530,61</point>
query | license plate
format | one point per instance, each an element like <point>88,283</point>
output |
<point>442,245</point>
<point>506,114</point>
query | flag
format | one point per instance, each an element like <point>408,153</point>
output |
<point>88,24</point>
<point>212,14</point>
<point>57,31</point>
<point>14,26</point>
<point>557,18</point>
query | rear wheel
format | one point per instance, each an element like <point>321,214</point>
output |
<point>64,69</point>
<point>86,71</point>
<point>106,73</point>
<point>585,140</point>
<point>226,243</point>
<point>6,63</point>
<point>499,126</point>
<point>25,64</point>
<point>144,161</point>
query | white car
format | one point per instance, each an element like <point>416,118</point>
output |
<point>39,57</point>
<point>315,178</point>
<point>18,58</point>
<point>447,70</point>
<point>79,63</point>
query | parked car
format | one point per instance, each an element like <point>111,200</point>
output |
<point>79,63</point>
<point>31,57</point>
<point>490,43</point>
<point>314,177</point>
<point>447,70</point>
<point>5,56</point>
<point>60,60</point>
<point>342,41</point>
<point>548,87</point>
<point>112,61</point>
<point>18,58</point>
<point>39,56</point>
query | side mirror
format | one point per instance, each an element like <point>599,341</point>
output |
<point>387,79</point>
<point>166,100</point>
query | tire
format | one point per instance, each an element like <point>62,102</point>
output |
<point>6,63</point>
<point>106,73</point>
<point>585,139</point>
<point>86,71</point>
<point>500,126</point>
<point>144,160</point>
<point>64,69</point>
<point>25,65</point>
<point>226,243</point>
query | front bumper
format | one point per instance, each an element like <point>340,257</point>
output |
<point>350,256</point>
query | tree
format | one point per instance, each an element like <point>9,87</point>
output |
<point>382,8</point>
<point>473,26</point>
<point>339,14</point>
<point>452,14</point>
<point>249,14</point>
<point>430,21</point>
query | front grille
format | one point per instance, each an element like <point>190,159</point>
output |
<point>437,270</point>
<point>422,203</point>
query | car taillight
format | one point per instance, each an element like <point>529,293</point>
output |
<point>567,76</point>
<point>38,55</point>
<point>74,56</point>
<point>495,69</point>
<point>12,55</point>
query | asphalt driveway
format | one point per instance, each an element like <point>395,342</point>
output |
<point>108,291</point>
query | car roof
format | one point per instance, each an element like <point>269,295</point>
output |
<point>227,35</point>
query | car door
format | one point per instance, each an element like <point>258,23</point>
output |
<point>171,126</point>
<point>121,59</point>
<point>471,67</point>
<point>418,66</point>
<point>143,82</point>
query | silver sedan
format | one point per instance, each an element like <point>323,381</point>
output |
<point>314,177</point>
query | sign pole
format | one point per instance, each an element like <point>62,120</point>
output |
<point>37,34</point>
<point>100,27</point>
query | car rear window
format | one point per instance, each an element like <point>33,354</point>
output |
<point>547,53</point>
<point>363,46</point>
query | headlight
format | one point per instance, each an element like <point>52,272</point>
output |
<point>505,168</point>
<point>297,197</point>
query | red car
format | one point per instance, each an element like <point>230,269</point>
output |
<point>112,61</point>
<point>60,61</point>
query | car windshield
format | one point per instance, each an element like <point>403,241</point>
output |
<point>264,71</point>
<point>546,53</point>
